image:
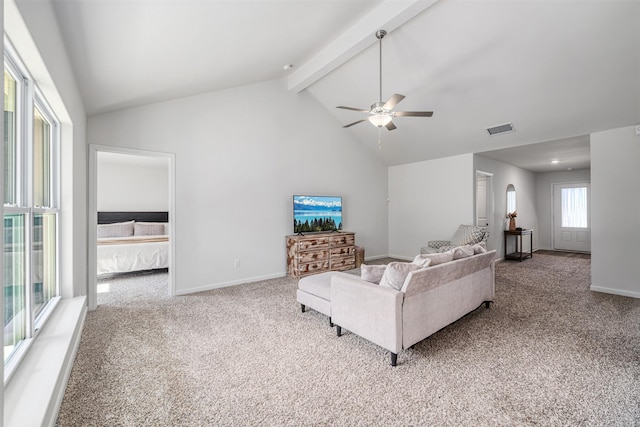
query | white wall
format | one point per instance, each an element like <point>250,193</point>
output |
<point>132,183</point>
<point>428,201</point>
<point>615,208</point>
<point>544,205</point>
<point>525,185</point>
<point>240,156</point>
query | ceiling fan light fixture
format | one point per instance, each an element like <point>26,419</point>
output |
<point>379,120</point>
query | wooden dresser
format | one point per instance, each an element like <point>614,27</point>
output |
<point>318,252</point>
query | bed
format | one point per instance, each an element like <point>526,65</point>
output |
<point>132,241</point>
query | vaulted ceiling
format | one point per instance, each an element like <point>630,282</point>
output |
<point>558,70</point>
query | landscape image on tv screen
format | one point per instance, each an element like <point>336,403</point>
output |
<point>316,213</point>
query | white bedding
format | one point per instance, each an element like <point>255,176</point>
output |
<point>135,255</point>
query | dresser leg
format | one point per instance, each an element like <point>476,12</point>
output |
<point>394,359</point>
<point>302,307</point>
<point>338,330</point>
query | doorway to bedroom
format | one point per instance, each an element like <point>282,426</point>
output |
<point>131,237</point>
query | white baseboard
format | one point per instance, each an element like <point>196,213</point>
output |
<point>230,283</point>
<point>621,292</point>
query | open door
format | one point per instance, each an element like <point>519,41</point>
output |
<point>484,201</point>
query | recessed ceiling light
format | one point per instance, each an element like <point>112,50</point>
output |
<point>569,169</point>
<point>555,161</point>
<point>287,67</point>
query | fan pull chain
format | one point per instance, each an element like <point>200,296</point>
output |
<point>379,138</point>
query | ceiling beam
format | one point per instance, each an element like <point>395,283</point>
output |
<point>388,16</point>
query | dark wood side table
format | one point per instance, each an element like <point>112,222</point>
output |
<point>519,254</point>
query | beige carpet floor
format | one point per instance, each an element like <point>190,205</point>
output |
<point>548,352</point>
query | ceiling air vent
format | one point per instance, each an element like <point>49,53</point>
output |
<point>505,128</point>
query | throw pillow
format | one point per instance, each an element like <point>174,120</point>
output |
<point>396,273</point>
<point>462,252</point>
<point>422,262</point>
<point>372,273</point>
<point>480,248</point>
<point>438,258</point>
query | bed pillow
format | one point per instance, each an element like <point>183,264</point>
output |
<point>117,229</point>
<point>148,229</point>
<point>396,273</point>
<point>372,273</point>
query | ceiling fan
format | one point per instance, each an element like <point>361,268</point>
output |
<point>381,113</point>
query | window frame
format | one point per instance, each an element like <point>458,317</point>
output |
<point>29,97</point>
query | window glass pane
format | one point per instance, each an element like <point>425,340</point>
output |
<point>44,259</point>
<point>15,315</point>
<point>41,159</point>
<point>574,207</point>
<point>10,172</point>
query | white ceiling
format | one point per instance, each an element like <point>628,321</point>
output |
<point>558,70</point>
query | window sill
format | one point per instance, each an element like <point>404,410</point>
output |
<point>34,393</point>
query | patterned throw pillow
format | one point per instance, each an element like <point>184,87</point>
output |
<point>372,273</point>
<point>396,273</point>
<point>467,234</point>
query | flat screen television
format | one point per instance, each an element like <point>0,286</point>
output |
<point>312,214</point>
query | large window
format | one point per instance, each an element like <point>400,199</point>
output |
<point>30,209</point>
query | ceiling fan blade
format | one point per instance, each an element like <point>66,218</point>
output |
<point>393,101</point>
<point>390,126</point>
<point>353,109</point>
<point>413,113</point>
<point>354,123</point>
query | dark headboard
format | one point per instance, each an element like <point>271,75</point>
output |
<point>111,217</point>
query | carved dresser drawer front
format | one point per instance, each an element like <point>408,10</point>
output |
<point>313,256</point>
<point>345,263</point>
<point>343,240</point>
<point>316,243</point>
<point>313,267</point>
<point>343,251</point>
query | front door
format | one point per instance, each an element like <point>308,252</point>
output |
<point>571,217</point>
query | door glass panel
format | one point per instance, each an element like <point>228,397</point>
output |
<point>15,315</point>
<point>574,207</point>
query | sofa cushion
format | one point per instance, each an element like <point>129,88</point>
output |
<point>462,252</point>
<point>317,284</point>
<point>436,258</point>
<point>372,273</point>
<point>396,273</point>
<point>468,234</point>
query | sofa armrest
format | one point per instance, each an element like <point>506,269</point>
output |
<point>368,310</point>
<point>438,243</point>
